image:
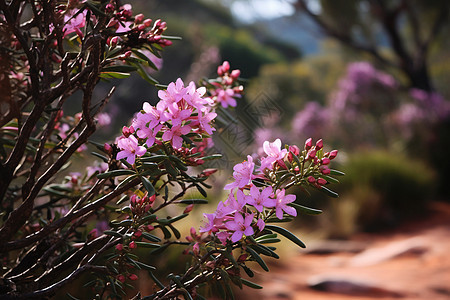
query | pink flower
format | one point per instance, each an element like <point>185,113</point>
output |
<point>281,204</point>
<point>210,225</point>
<point>240,226</point>
<point>243,174</point>
<point>260,224</point>
<point>174,135</point>
<point>130,149</point>
<point>74,23</point>
<point>258,198</point>
<point>174,93</point>
<point>274,153</point>
<point>226,97</point>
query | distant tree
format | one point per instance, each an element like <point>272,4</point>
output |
<point>411,27</point>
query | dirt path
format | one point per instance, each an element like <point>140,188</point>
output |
<point>410,262</point>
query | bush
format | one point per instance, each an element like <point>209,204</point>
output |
<point>385,188</point>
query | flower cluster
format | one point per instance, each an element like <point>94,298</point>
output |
<point>257,194</point>
<point>227,86</point>
<point>180,111</point>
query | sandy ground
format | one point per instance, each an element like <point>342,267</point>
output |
<point>409,262</point>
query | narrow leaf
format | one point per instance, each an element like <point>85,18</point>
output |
<point>286,233</point>
<point>257,258</point>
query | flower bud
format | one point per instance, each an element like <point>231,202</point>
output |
<point>107,147</point>
<point>333,154</point>
<point>312,153</point>
<point>138,18</point>
<point>325,161</point>
<point>188,209</point>
<point>319,144</point>
<point>150,227</point>
<point>235,74</point>
<point>148,22</point>
<point>121,278</point>
<point>308,144</point>
<point>119,247</point>
<point>196,249</point>
<point>321,181</point>
<point>193,232</point>
<point>132,277</point>
<point>325,170</point>
<point>132,245</point>
<point>294,149</point>
<point>138,233</point>
<point>311,179</point>
<point>225,66</point>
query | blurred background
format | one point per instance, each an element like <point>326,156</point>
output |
<point>369,77</point>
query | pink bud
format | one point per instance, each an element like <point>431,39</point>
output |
<point>119,247</point>
<point>132,245</point>
<point>138,233</point>
<point>113,41</point>
<point>126,131</point>
<point>108,148</point>
<point>132,277</point>
<point>148,22</point>
<point>325,161</point>
<point>188,209</point>
<point>312,153</point>
<point>141,27</point>
<point>235,74</point>
<point>121,278</point>
<point>325,170</point>
<point>225,66</point>
<point>150,227</point>
<point>138,18</point>
<point>220,70</point>
<point>133,199</point>
<point>321,181</point>
<point>308,144</point>
<point>193,232</point>
<point>127,54</point>
<point>333,154</point>
<point>196,249</point>
<point>311,179</point>
<point>294,149</point>
<point>319,144</point>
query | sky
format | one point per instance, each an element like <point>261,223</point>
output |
<point>251,10</point>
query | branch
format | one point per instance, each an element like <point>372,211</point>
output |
<point>51,290</point>
<point>343,37</point>
<point>8,246</point>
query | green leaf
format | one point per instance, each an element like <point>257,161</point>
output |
<point>305,210</point>
<point>145,266</point>
<point>154,158</point>
<point>251,284</point>
<point>166,232</point>
<point>175,231</point>
<point>257,258</point>
<point>114,173</point>
<point>151,237</point>
<point>118,75</point>
<point>160,249</point>
<point>329,192</point>
<point>148,185</point>
<point>336,172</point>
<point>201,190</point>
<point>170,169</point>
<point>330,179</point>
<point>102,157</point>
<point>194,201</point>
<point>248,271</point>
<point>286,233</point>
<point>157,282</point>
<point>210,157</point>
<point>147,245</point>
<point>145,76</point>
<point>120,69</point>
<point>172,220</point>
<point>113,233</point>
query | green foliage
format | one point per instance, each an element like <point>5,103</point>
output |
<point>240,47</point>
<point>385,187</point>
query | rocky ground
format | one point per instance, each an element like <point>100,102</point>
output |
<point>410,262</point>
